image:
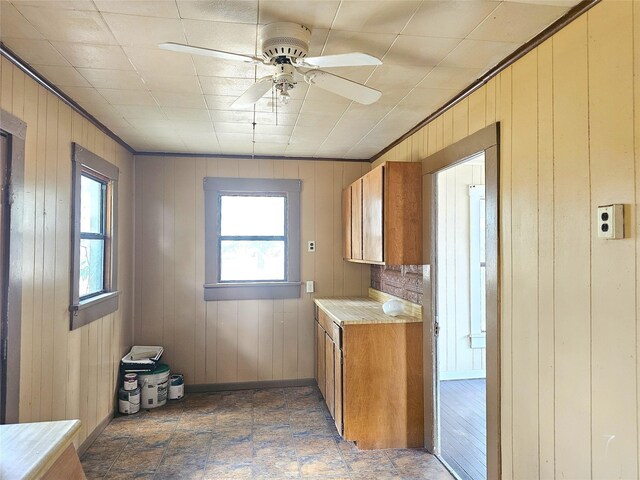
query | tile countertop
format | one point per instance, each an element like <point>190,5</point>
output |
<point>359,310</point>
<point>28,450</point>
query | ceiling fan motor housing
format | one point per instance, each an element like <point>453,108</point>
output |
<point>284,39</point>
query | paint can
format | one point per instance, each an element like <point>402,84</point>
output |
<point>176,386</point>
<point>130,381</point>
<point>129,401</point>
<point>154,386</point>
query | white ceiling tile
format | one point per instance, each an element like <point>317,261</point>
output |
<point>428,97</point>
<point>229,37</point>
<point>233,87</point>
<point>310,13</point>
<point>236,148</point>
<point>516,22</point>
<point>68,25</point>
<point>150,127</point>
<point>324,108</point>
<point>314,119</point>
<point>317,95</point>
<point>319,130</point>
<point>94,56</point>
<point>263,118</point>
<point>59,4</point>
<point>201,144</point>
<point>171,83</point>
<point>449,18</point>
<point>186,100</point>
<point>84,95</point>
<point>274,129</point>
<point>14,25</point>
<point>127,97</point>
<point>62,76</point>
<point>221,127</point>
<point>187,114</point>
<point>140,112</point>
<point>193,128</point>
<point>375,17</point>
<point>375,44</point>
<point>133,30</point>
<point>479,54</point>
<point>234,11</point>
<point>120,79</point>
<point>424,51</point>
<point>388,77</point>
<point>391,96</point>
<point>317,42</point>
<point>230,116</point>
<point>273,149</point>
<point>211,67</point>
<point>146,8</point>
<point>221,102</point>
<point>36,52</point>
<point>267,138</point>
<point>160,61</point>
<point>450,77</point>
<point>246,138</point>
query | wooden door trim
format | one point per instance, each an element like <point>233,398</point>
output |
<point>17,130</point>
<point>486,140</point>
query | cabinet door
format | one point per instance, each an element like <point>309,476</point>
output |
<point>346,223</point>
<point>330,372</point>
<point>356,220</point>
<point>337,376</point>
<point>372,194</point>
<point>320,359</point>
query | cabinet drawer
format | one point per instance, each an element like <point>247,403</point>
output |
<point>336,336</point>
<point>329,326</point>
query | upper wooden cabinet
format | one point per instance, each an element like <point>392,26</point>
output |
<point>382,216</point>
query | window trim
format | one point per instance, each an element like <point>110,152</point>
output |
<point>477,336</point>
<point>86,310</point>
<point>214,289</point>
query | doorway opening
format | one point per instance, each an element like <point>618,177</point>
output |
<point>461,316</point>
<point>5,157</point>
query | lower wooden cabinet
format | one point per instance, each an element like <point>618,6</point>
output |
<point>370,376</point>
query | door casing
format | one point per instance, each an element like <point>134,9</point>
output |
<point>486,140</point>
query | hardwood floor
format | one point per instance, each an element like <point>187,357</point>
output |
<point>463,430</point>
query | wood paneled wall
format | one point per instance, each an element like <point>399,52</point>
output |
<point>64,374</point>
<point>570,339</point>
<point>233,341</point>
<point>456,357</point>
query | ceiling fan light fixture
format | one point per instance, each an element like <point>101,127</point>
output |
<point>284,97</point>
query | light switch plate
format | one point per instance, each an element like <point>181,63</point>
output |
<point>310,286</point>
<point>611,221</point>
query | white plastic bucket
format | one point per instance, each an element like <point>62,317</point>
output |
<point>154,386</point>
<point>176,387</point>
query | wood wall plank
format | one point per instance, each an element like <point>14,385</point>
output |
<point>614,437</point>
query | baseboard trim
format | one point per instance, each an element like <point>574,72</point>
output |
<point>84,446</point>
<point>463,375</point>
<point>220,387</point>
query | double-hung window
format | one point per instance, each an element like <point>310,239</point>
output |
<point>252,238</point>
<point>94,226</point>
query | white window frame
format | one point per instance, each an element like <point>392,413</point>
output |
<point>214,289</point>
<point>477,336</point>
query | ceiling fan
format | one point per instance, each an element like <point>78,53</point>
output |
<point>285,46</point>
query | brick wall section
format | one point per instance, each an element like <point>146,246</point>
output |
<point>404,281</point>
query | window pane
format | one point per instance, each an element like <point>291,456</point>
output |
<point>91,266</point>
<point>252,216</point>
<point>90,205</point>
<point>252,260</point>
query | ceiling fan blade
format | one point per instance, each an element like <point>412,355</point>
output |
<point>254,93</point>
<point>353,59</point>
<point>343,87</point>
<point>208,52</point>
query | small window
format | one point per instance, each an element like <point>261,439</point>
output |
<point>94,220</point>
<point>252,238</point>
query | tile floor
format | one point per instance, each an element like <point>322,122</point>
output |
<point>267,433</point>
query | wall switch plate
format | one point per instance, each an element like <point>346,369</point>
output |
<point>311,246</point>
<point>611,222</point>
<point>310,286</point>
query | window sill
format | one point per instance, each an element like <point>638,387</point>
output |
<point>251,291</point>
<point>93,308</point>
<point>478,340</point>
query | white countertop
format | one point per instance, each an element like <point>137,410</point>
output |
<point>359,310</point>
<point>28,450</point>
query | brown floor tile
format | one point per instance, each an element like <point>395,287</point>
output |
<point>197,423</point>
<point>233,452</point>
<point>218,471</point>
<point>139,459</point>
<point>275,468</point>
<point>126,475</point>
<point>414,458</point>
<point>182,472</point>
<point>324,464</point>
<point>313,445</point>
<point>368,461</point>
<point>237,416</point>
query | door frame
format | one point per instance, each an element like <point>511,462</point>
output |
<point>486,140</point>
<point>17,130</point>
